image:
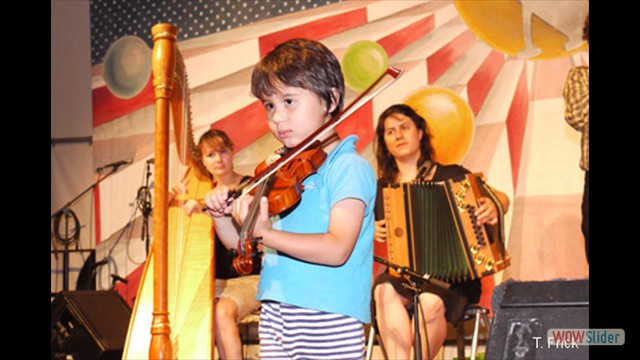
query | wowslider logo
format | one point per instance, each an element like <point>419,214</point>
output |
<point>581,337</point>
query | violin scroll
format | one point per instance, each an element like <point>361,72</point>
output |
<point>243,262</point>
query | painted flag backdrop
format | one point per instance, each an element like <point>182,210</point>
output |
<point>508,72</point>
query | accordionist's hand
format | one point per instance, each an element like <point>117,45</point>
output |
<point>381,231</point>
<point>486,212</point>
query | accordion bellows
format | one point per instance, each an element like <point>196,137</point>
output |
<point>432,229</point>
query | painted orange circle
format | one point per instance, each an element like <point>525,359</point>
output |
<point>449,119</point>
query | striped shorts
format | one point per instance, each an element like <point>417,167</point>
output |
<point>291,332</point>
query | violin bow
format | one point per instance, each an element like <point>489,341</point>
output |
<point>356,104</point>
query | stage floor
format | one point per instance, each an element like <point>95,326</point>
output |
<point>448,352</point>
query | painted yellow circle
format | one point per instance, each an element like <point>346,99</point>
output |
<point>362,63</point>
<point>449,119</point>
<point>554,29</point>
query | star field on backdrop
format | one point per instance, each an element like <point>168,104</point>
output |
<point>112,19</point>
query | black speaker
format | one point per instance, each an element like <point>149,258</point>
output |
<point>525,313</point>
<point>88,325</point>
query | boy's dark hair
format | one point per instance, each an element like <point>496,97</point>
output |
<point>387,167</point>
<point>300,63</point>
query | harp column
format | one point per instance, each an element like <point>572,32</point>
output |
<point>164,37</point>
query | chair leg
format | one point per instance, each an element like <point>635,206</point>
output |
<point>474,342</point>
<point>460,340</point>
<point>372,338</point>
<point>372,334</point>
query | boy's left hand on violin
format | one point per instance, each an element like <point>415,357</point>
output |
<point>240,209</point>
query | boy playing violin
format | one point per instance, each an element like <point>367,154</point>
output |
<point>317,263</point>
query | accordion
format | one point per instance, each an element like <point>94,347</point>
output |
<point>432,229</point>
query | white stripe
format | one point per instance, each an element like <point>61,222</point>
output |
<point>343,346</point>
<point>324,336</point>
<point>296,333</point>
<point>324,325</point>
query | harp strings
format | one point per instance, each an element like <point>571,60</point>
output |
<point>182,142</point>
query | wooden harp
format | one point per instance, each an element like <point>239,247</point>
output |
<point>173,314</point>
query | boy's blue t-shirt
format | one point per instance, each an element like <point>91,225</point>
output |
<point>344,289</point>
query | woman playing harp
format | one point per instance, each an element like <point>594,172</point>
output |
<point>235,294</point>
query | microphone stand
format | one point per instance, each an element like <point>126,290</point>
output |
<point>409,274</point>
<point>144,204</point>
<point>68,212</point>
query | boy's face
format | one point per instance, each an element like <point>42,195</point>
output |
<point>218,161</point>
<point>295,113</point>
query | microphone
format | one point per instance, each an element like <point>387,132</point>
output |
<point>117,278</point>
<point>426,277</point>
<point>405,270</point>
<point>100,263</point>
<point>114,165</point>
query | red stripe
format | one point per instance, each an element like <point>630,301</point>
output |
<point>129,290</point>
<point>359,123</point>
<point>441,60</point>
<point>245,125</point>
<point>516,123</point>
<point>380,250</point>
<point>481,82</point>
<point>107,107</point>
<point>400,39</point>
<point>314,30</point>
<point>488,284</point>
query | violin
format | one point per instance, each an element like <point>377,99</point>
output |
<point>281,180</point>
<point>283,191</point>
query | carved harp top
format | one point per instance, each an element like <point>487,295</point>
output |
<point>171,82</point>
